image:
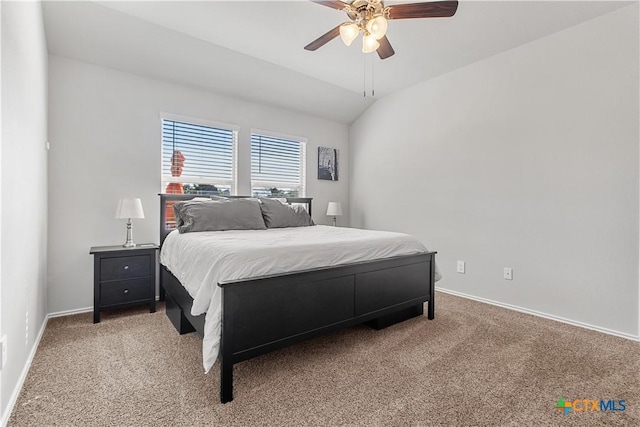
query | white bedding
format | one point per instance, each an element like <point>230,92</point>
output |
<point>201,260</point>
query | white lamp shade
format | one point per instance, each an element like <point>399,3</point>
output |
<point>369,44</point>
<point>129,208</point>
<point>348,32</point>
<point>377,27</point>
<point>334,209</point>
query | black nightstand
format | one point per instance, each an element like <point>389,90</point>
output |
<point>123,277</point>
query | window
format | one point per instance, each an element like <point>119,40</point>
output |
<point>198,158</point>
<point>277,166</point>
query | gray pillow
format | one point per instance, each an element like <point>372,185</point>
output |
<point>178,206</point>
<point>218,215</point>
<point>277,214</point>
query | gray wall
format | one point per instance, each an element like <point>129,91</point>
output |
<point>529,160</point>
<point>105,144</point>
<point>23,262</point>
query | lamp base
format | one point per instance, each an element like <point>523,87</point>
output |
<point>128,243</point>
<point>334,221</point>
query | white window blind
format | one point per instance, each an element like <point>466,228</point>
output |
<point>206,154</point>
<point>277,166</point>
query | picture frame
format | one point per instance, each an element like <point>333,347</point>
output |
<point>328,163</point>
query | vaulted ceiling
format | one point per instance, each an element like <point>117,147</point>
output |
<point>254,49</point>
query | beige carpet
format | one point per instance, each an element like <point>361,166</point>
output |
<point>474,365</point>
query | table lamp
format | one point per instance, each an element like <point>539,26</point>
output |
<point>129,208</point>
<point>334,209</point>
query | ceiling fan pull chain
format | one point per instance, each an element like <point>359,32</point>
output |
<point>364,77</point>
<point>373,83</point>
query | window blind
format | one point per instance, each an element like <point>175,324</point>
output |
<point>277,162</point>
<point>208,153</point>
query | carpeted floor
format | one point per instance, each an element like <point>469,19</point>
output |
<point>474,365</point>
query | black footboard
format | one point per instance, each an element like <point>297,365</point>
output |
<point>265,314</point>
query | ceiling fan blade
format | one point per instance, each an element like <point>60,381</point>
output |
<point>385,50</point>
<point>323,39</point>
<point>436,9</point>
<point>334,4</point>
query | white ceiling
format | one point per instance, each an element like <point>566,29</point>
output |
<point>254,49</point>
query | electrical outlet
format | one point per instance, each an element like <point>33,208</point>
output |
<point>508,273</point>
<point>460,268</point>
<point>3,344</point>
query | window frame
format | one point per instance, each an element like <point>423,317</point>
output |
<point>233,183</point>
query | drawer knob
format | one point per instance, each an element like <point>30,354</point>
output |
<point>126,291</point>
<point>126,267</point>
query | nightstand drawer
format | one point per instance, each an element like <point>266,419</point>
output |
<point>124,291</point>
<point>124,267</point>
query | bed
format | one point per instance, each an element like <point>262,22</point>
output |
<point>259,313</point>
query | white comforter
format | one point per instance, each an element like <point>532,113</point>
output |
<point>201,260</point>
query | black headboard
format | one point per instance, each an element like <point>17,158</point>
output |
<point>169,199</point>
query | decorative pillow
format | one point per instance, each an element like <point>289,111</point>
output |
<point>278,214</point>
<point>218,215</point>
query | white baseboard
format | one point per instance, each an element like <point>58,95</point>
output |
<point>77,311</point>
<point>23,375</point>
<point>70,312</point>
<point>543,315</point>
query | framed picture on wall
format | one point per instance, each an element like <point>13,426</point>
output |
<point>328,163</point>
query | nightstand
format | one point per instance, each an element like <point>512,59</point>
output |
<point>123,277</point>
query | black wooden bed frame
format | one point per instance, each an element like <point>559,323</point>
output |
<point>263,314</point>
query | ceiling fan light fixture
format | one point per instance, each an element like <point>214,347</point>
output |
<point>371,18</point>
<point>369,43</point>
<point>377,27</point>
<point>348,32</point>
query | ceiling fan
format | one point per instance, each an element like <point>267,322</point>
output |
<point>370,17</point>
